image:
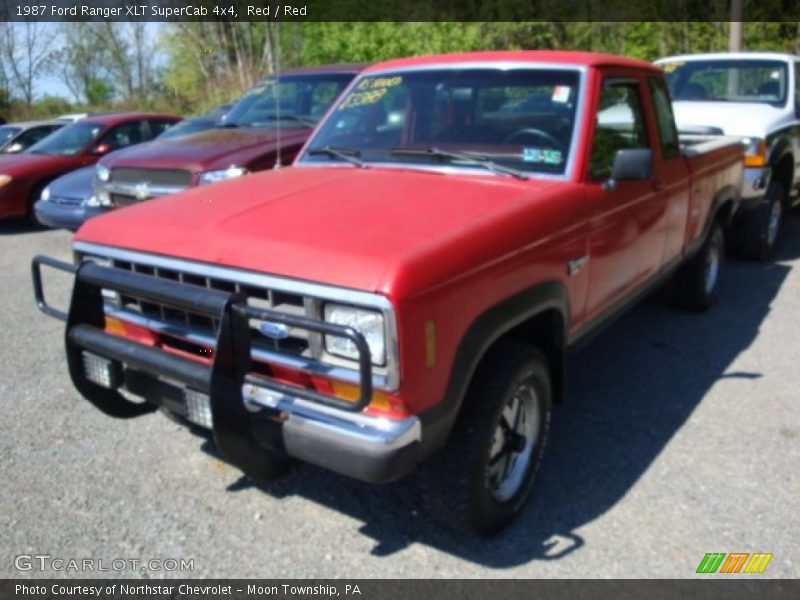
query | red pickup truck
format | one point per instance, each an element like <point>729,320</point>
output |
<point>405,294</point>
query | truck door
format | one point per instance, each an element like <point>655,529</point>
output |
<point>628,223</point>
<point>671,171</point>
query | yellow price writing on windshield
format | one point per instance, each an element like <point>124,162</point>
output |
<point>356,99</point>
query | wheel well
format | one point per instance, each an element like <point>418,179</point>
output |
<point>547,332</point>
<point>724,213</point>
<point>783,172</point>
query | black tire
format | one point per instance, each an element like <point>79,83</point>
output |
<point>697,282</point>
<point>457,483</point>
<point>762,227</point>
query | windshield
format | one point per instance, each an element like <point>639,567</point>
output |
<point>303,101</point>
<point>188,127</point>
<point>69,140</point>
<point>521,119</point>
<point>7,132</point>
<point>762,81</point>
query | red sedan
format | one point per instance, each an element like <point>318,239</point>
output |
<point>24,176</point>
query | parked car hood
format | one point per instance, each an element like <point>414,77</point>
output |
<point>217,148</point>
<point>746,119</point>
<point>17,165</point>
<point>395,231</point>
<point>77,184</point>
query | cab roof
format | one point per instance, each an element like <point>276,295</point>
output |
<point>730,56</point>
<point>583,59</point>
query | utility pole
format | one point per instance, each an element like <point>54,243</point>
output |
<point>735,38</point>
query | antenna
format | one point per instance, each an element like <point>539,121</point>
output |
<point>278,164</point>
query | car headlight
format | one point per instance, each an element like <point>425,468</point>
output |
<point>45,194</point>
<point>4,179</point>
<point>101,198</point>
<point>368,322</point>
<point>103,173</point>
<point>221,175</point>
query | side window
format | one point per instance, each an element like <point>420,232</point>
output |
<point>619,124</point>
<point>157,127</point>
<point>30,137</point>
<point>123,135</point>
<point>322,95</point>
<point>797,89</point>
<point>670,145</point>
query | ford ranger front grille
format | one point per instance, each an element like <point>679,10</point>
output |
<point>273,342</point>
<point>297,341</point>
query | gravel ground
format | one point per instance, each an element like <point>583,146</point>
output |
<point>680,437</point>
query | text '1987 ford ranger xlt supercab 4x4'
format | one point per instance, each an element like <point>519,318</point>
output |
<point>404,295</point>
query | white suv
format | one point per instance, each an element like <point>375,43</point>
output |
<point>752,95</point>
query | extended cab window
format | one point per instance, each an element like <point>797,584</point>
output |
<point>619,124</point>
<point>668,134</point>
<point>522,119</point>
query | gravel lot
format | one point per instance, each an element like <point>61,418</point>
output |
<point>680,436</point>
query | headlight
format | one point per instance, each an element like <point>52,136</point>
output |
<point>221,175</point>
<point>45,194</point>
<point>92,201</point>
<point>99,199</point>
<point>4,179</point>
<point>369,323</point>
<point>103,173</point>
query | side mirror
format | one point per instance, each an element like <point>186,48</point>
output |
<point>101,149</point>
<point>630,164</point>
<point>14,148</point>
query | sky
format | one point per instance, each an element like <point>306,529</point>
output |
<point>49,83</point>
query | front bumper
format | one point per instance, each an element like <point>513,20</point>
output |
<point>253,417</point>
<point>64,216</point>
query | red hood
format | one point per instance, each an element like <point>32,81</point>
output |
<point>20,165</point>
<point>207,150</point>
<point>388,230</point>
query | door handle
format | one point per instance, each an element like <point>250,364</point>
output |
<point>658,185</point>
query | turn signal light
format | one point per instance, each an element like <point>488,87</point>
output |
<point>755,154</point>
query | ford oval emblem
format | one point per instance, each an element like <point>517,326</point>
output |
<point>276,331</point>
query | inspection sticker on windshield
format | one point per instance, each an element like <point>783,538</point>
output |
<point>561,94</point>
<point>547,156</point>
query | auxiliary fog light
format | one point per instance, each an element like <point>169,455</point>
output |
<point>102,371</point>
<point>198,408</point>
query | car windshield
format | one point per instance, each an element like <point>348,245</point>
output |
<point>188,127</point>
<point>7,132</point>
<point>761,81</point>
<point>502,119</point>
<point>68,140</point>
<point>288,102</point>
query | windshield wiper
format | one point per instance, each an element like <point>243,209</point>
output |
<point>348,154</point>
<point>476,159</point>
